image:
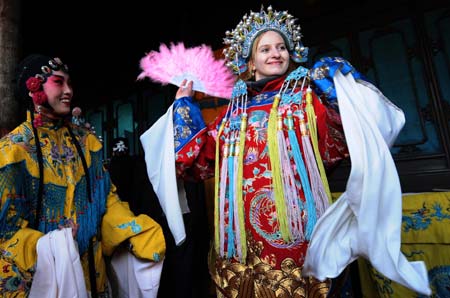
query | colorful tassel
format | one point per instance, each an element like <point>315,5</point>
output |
<point>237,178</point>
<point>229,186</point>
<point>289,187</point>
<point>231,181</point>
<point>318,190</point>
<point>222,192</point>
<point>278,192</point>
<point>313,133</point>
<point>239,186</point>
<point>301,169</point>
<point>217,178</point>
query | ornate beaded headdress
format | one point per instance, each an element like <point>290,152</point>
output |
<point>34,70</point>
<point>31,74</point>
<point>52,65</point>
<point>239,41</point>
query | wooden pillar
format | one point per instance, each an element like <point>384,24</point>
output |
<point>9,53</point>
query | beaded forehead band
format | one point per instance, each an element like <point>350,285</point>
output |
<point>240,40</point>
<point>53,64</point>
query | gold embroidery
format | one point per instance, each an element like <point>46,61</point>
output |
<point>258,279</point>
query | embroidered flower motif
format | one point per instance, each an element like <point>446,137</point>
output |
<point>135,227</point>
<point>68,153</point>
<point>54,153</point>
<point>33,84</point>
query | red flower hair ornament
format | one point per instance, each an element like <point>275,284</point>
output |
<point>39,97</point>
<point>34,85</point>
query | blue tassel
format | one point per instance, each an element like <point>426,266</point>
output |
<point>310,207</point>
<point>100,186</point>
<point>89,215</point>
<point>230,243</point>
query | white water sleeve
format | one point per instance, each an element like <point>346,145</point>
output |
<point>366,220</point>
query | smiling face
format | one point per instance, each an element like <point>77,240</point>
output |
<point>59,91</point>
<point>271,56</point>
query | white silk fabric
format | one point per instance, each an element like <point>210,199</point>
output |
<point>159,149</point>
<point>135,278</point>
<point>366,219</point>
<point>59,273</point>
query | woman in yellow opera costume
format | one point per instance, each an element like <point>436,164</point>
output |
<point>53,186</point>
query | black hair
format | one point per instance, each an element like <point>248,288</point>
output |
<point>28,67</point>
<point>31,66</point>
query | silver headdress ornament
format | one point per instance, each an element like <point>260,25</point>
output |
<point>241,39</point>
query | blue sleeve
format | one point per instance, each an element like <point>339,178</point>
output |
<point>322,74</point>
<point>187,121</point>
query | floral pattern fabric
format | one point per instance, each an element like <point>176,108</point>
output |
<point>425,237</point>
<point>64,197</point>
<point>268,252</point>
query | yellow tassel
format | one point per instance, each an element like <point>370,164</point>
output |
<point>313,133</point>
<point>216,188</point>
<point>276,171</point>
<point>240,178</point>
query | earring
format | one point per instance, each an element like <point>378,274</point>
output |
<point>37,122</point>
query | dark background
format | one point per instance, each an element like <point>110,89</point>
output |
<point>102,42</point>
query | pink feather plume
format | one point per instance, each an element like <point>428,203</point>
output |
<point>198,64</point>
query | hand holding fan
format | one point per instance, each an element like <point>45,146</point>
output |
<point>198,64</point>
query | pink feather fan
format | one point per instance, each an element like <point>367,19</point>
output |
<point>198,64</point>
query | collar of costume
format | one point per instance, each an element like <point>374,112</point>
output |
<point>239,41</point>
<point>273,83</point>
<point>48,122</point>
